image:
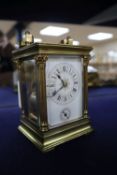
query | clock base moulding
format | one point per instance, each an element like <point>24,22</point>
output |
<point>47,141</point>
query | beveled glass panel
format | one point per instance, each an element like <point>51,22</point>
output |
<point>29,91</point>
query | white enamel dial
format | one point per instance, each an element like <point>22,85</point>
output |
<point>62,83</point>
<point>63,89</point>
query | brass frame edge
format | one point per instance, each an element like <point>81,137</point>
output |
<point>41,64</point>
<point>49,143</point>
<point>49,49</point>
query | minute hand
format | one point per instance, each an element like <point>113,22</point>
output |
<point>55,92</point>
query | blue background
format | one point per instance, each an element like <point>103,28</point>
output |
<point>95,153</point>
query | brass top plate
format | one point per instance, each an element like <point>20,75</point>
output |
<point>49,49</point>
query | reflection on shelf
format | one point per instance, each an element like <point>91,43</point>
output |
<point>106,74</point>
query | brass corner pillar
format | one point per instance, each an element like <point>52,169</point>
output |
<point>41,67</point>
<point>85,66</point>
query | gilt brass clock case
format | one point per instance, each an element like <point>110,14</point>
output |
<point>53,93</point>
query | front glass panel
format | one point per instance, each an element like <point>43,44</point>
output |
<point>29,91</point>
<point>64,89</point>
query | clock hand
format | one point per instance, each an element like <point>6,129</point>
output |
<point>64,83</point>
<point>66,115</point>
<point>60,79</point>
<point>50,85</point>
<point>55,92</point>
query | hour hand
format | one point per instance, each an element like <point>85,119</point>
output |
<point>60,78</point>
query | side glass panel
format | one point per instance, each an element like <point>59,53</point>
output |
<point>29,91</point>
<point>64,88</point>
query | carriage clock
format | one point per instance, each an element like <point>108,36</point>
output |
<point>53,93</point>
